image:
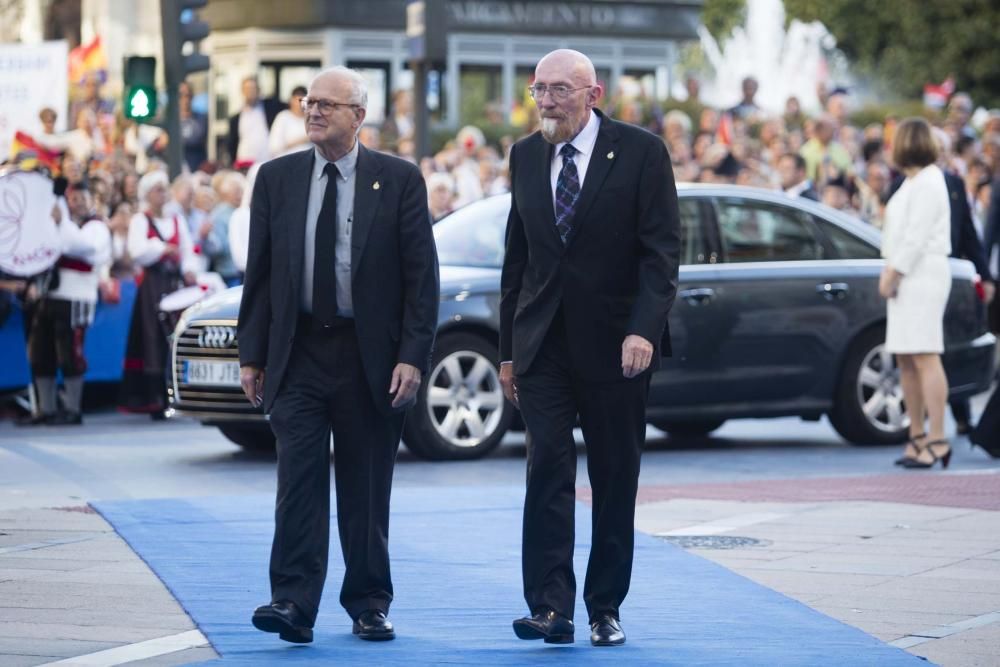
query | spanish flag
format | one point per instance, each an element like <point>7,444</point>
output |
<point>87,58</point>
<point>30,154</point>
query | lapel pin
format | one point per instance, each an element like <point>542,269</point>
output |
<point>375,185</point>
<point>611,155</point>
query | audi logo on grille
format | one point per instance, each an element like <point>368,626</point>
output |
<point>220,337</point>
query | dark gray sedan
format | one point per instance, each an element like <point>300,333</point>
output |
<point>777,314</point>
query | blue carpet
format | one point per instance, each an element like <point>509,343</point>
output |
<point>456,570</point>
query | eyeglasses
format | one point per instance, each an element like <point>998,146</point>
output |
<point>326,107</point>
<point>558,92</point>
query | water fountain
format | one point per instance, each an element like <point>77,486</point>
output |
<point>785,63</point>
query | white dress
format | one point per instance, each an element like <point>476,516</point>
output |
<point>916,241</point>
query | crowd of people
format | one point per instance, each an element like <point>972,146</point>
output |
<point>199,221</point>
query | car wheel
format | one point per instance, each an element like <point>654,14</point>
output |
<point>868,408</point>
<point>460,412</point>
<point>251,437</point>
<point>689,429</point>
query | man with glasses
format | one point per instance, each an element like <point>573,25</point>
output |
<point>335,327</point>
<point>590,273</point>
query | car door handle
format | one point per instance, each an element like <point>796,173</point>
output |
<point>831,291</point>
<point>698,296</point>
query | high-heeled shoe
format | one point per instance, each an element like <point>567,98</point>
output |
<point>944,458</point>
<point>916,445</point>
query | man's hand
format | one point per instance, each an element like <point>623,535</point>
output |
<point>190,278</point>
<point>252,381</point>
<point>509,383</point>
<point>989,290</point>
<point>56,214</point>
<point>205,229</point>
<point>637,353</point>
<point>405,382</point>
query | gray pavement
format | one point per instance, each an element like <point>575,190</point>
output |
<point>925,577</point>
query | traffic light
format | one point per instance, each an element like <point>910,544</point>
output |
<point>181,25</point>
<point>140,88</point>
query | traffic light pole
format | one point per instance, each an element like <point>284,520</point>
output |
<point>175,143</point>
<point>179,25</point>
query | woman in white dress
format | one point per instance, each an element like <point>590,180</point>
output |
<point>916,281</point>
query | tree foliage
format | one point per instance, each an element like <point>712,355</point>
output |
<point>902,45</point>
<point>721,16</point>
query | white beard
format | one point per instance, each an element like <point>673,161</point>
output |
<point>551,130</point>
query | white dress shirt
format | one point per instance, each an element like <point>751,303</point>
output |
<point>347,167</point>
<point>584,144</point>
<point>254,135</point>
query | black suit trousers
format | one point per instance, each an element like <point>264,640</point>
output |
<point>612,416</point>
<point>324,390</point>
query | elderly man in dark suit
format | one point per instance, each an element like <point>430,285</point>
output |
<point>336,327</point>
<point>589,276</point>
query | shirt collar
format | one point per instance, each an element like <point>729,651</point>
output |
<point>797,190</point>
<point>585,140</point>
<point>345,165</point>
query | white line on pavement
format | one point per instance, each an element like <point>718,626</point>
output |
<point>724,525</point>
<point>939,631</point>
<point>140,651</point>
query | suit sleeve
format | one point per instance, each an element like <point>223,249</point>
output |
<point>255,306</point>
<point>969,245</point>
<point>233,140</point>
<point>992,227</point>
<point>659,245</point>
<point>421,289</point>
<point>514,261</point>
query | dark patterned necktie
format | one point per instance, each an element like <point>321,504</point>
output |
<point>567,192</point>
<point>324,298</point>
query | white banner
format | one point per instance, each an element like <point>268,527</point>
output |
<point>29,238</point>
<point>32,76</point>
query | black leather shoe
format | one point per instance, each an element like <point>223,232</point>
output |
<point>548,625</point>
<point>66,419</point>
<point>284,618</point>
<point>34,420</point>
<point>373,626</point>
<point>605,630</point>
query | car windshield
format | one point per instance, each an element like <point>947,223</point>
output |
<point>474,234</point>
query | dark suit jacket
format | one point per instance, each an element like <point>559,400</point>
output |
<point>617,274</point>
<point>810,193</point>
<point>394,274</point>
<point>991,228</point>
<point>272,108</point>
<point>965,243</point>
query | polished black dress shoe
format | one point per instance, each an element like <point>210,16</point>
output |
<point>548,625</point>
<point>373,626</point>
<point>66,419</point>
<point>284,618</point>
<point>605,630</point>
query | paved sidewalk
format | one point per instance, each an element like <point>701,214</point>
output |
<point>69,586</point>
<point>924,577</point>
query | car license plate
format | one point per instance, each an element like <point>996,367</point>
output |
<point>215,373</point>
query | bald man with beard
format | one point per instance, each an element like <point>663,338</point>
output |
<point>589,276</point>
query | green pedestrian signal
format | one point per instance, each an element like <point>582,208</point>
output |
<point>140,88</point>
<point>141,104</point>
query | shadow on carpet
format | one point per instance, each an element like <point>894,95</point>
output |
<point>456,571</point>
